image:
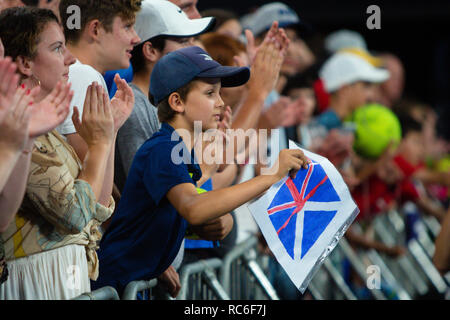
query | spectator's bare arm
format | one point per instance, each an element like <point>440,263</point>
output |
<point>15,145</point>
<point>363,242</point>
<point>265,70</point>
<point>441,258</point>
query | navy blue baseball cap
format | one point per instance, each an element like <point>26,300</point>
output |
<point>179,67</point>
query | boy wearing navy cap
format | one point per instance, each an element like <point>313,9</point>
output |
<point>160,196</point>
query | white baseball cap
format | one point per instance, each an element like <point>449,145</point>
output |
<point>163,18</point>
<point>346,68</point>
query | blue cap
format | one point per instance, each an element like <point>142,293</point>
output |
<point>180,67</point>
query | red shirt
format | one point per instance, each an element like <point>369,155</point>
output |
<point>374,195</point>
<point>406,167</point>
<point>323,98</point>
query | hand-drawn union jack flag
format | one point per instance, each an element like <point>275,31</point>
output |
<point>303,204</point>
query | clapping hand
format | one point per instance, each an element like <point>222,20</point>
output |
<point>267,61</point>
<point>8,84</point>
<point>14,111</point>
<point>51,111</point>
<point>97,124</point>
<point>275,34</point>
<point>122,103</point>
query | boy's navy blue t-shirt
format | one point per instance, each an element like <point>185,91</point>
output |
<point>146,231</point>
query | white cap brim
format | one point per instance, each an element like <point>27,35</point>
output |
<point>375,76</point>
<point>163,18</point>
<point>191,29</point>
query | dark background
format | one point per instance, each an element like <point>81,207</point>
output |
<point>418,32</point>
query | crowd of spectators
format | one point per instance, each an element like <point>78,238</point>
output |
<point>87,177</point>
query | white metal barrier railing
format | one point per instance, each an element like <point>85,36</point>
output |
<point>242,277</point>
<point>410,276</point>
<point>199,281</point>
<point>419,259</point>
<point>375,258</point>
<point>105,293</point>
<point>239,275</point>
<point>133,288</point>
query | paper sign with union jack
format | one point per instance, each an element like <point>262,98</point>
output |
<point>302,219</point>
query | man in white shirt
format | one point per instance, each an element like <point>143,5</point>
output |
<point>104,42</point>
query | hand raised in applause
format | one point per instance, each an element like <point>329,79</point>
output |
<point>97,124</point>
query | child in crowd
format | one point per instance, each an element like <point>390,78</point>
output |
<point>160,197</point>
<point>162,28</point>
<point>393,184</point>
<point>348,79</point>
<point>434,174</point>
<point>410,159</point>
<point>300,89</point>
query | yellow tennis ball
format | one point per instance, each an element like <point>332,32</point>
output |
<point>376,126</point>
<point>443,164</point>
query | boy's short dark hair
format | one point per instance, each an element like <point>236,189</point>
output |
<point>165,111</point>
<point>103,10</point>
<point>137,57</point>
